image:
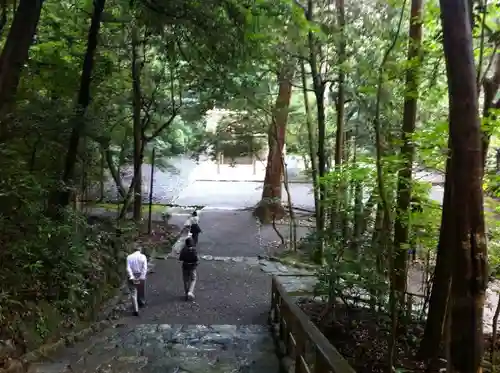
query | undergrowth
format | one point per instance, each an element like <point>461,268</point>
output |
<point>54,274</point>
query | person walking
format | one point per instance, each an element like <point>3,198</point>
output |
<point>189,259</point>
<point>137,269</point>
<point>194,227</point>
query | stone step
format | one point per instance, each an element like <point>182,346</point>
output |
<point>165,348</point>
<point>60,367</point>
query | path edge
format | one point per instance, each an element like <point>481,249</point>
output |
<point>23,362</point>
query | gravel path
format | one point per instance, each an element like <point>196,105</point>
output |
<point>237,234</point>
<point>226,293</point>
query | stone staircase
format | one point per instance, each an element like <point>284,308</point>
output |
<point>163,348</point>
<point>174,336</point>
<point>181,348</point>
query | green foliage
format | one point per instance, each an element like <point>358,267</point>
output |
<point>194,56</point>
<point>54,274</point>
<point>358,276</point>
<point>191,55</point>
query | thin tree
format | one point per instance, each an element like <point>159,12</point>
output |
<point>319,85</point>
<point>404,192</point>
<point>311,139</point>
<point>137,125</point>
<point>336,214</point>
<point>83,101</point>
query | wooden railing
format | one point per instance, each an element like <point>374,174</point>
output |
<point>306,347</point>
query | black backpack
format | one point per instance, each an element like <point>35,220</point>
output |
<point>195,229</point>
<point>190,255</point>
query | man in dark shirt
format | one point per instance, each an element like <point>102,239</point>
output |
<point>189,259</point>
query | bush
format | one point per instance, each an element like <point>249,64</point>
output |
<point>360,277</point>
<point>54,274</point>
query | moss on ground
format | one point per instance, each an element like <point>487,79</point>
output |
<point>298,259</point>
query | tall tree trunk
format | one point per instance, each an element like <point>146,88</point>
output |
<point>385,200</point>
<point>136,104</point>
<point>83,101</point>
<point>15,52</point>
<point>403,211</point>
<point>399,271</point>
<point>270,207</point>
<point>311,142</point>
<point>338,210</point>
<point>469,275</point>
<point>319,91</point>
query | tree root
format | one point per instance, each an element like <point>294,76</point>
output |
<point>268,212</point>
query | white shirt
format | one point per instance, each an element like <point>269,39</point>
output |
<point>193,220</point>
<point>137,263</point>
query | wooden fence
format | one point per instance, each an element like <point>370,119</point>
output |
<point>301,340</point>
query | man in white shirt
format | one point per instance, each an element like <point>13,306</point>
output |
<point>193,226</point>
<point>137,269</point>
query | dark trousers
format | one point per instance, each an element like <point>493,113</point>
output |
<point>195,238</point>
<point>189,279</point>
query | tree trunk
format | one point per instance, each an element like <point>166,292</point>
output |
<point>368,210</point>
<point>339,104</point>
<point>82,103</point>
<point>15,52</point>
<point>115,173</point>
<point>270,207</point>
<point>440,293</point>
<point>319,91</point>
<point>337,210</point>
<point>399,273</point>
<point>403,211</point>
<point>469,275</point>
<point>31,165</point>
<point>311,142</point>
<point>346,192</point>
<point>376,246</point>
<point>102,176</point>
<point>62,198</point>
<point>358,201</point>
<point>136,103</point>
<point>380,150</point>
<point>491,87</point>
<point>497,160</point>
